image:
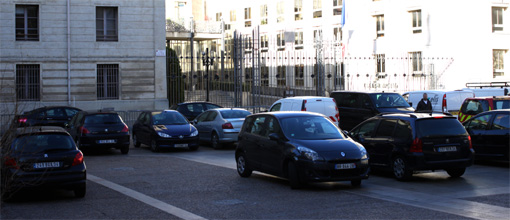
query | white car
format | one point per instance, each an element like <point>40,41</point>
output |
<point>317,104</point>
<point>442,101</point>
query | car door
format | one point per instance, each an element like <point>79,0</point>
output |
<point>137,126</point>
<point>74,125</point>
<point>477,129</point>
<point>254,139</point>
<point>199,125</point>
<point>497,136</point>
<point>207,124</point>
<point>364,135</point>
<point>248,140</point>
<point>271,151</point>
<point>147,130</point>
<point>348,109</point>
<point>402,139</point>
<point>383,142</point>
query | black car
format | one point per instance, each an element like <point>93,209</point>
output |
<point>47,116</point>
<point>405,143</point>
<point>99,129</point>
<point>164,129</point>
<point>301,146</point>
<point>192,109</point>
<point>41,156</point>
<point>356,107</point>
<point>490,133</point>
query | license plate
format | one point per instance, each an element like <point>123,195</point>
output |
<point>345,166</point>
<point>181,145</point>
<point>107,141</point>
<point>447,149</point>
<point>46,165</point>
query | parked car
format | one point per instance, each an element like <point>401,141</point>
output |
<point>47,116</point>
<point>322,105</point>
<point>221,125</point>
<point>164,129</point>
<point>300,146</point>
<point>409,142</point>
<point>192,109</point>
<point>442,101</point>
<point>356,107</point>
<point>474,106</point>
<point>99,129</point>
<point>41,157</point>
<point>490,133</point>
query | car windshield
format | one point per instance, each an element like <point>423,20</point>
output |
<point>42,143</point>
<point>103,119</point>
<point>434,127</point>
<point>310,128</point>
<point>389,100</point>
<point>168,118</point>
<point>234,113</point>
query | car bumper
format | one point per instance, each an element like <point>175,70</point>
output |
<point>418,162</point>
<point>187,142</point>
<point>95,141</point>
<point>229,137</point>
<point>61,179</point>
<point>326,171</point>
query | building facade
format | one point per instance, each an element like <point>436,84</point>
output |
<point>88,54</point>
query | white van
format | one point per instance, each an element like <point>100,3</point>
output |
<point>442,101</point>
<point>322,105</point>
<point>488,91</point>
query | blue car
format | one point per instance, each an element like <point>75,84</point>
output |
<point>164,129</point>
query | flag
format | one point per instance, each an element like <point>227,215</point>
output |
<point>343,13</point>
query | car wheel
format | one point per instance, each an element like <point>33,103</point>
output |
<point>294,179</point>
<point>80,192</point>
<point>456,172</point>
<point>154,146</point>
<point>242,166</point>
<point>400,169</point>
<point>215,141</point>
<point>135,141</point>
<point>356,183</point>
<point>125,149</point>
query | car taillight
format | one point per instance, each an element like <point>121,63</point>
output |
<point>227,126</point>
<point>445,109</point>
<point>303,107</point>
<point>125,129</point>
<point>10,162</point>
<point>470,143</point>
<point>417,146</point>
<point>78,159</point>
<point>22,120</point>
<point>84,130</point>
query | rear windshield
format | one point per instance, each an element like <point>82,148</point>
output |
<point>310,128</point>
<point>473,107</point>
<point>42,143</point>
<point>169,118</point>
<point>501,104</point>
<point>389,100</point>
<point>103,119</point>
<point>439,127</point>
<point>234,113</point>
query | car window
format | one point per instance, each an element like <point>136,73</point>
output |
<point>365,101</point>
<point>276,107</point>
<point>437,127</point>
<point>501,122</point>
<point>79,118</point>
<point>247,125</point>
<point>196,108</point>
<point>385,128</point>
<point>389,100</point>
<point>310,128</point>
<point>39,114</point>
<point>70,112</point>
<point>348,100</point>
<point>55,112</point>
<point>501,104</point>
<point>234,113</point>
<point>102,119</point>
<point>185,109</point>
<point>403,130</point>
<point>147,119</point>
<point>211,106</point>
<point>366,129</point>
<point>479,123</point>
<point>473,107</point>
<point>42,142</point>
<point>203,116</point>
<point>141,117</point>
<point>258,125</point>
<point>272,127</point>
<point>168,118</point>
<point>211,116</point>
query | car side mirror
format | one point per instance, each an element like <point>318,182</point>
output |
<point>275,137</point>
<point>194,122</point>
<point>344,132</point>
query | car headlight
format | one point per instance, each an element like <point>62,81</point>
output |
<point>161,134</point>
<point>309,153</point>
<point>195,133</point>
<point>363,151</point>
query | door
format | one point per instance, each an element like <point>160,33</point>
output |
<point>145,133</point>
<point>250,140</point>
<point>199,125</point>
<point>498,136</point>
<point>348,109</point>
<point>207,125</point>
<point>364,135</point>
<point>383,142</point>
<point>271,151</point>
<point>477,130</point>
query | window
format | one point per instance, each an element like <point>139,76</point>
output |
<point>479,123</point>
<point>337,33</point>
<point>28,82</point>
<point>473,107</point>
<point>386,128</point>
<point>107,81</point>
<point>498,62</point>
<point>317,8</point>
<point>403,130</point>
<point>264,71</point>
<point>501,104</point>
<point>416,19</point>
<point>280,12</point>
<point>232,16</point>
<point>247,17</point>
<point>380,25</point>
<point>258,125</point>
<point>280,40</point>
<point>365,130</point>
<point>27,22</point>
<point>497,19</point>
<point>264,42</point>
<point>416,59</point>
<point>263,14</point>
<point>298,9</point>
<point>280,76</point>
<point>381,63</point>
<point>337,7</point>
<point>501,122</point>
<point>299,75</point>
<point>218,16</point>
<point>106,24</point>
<point>298,40</point>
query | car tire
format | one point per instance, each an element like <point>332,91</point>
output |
<point>136,142</point>
<point>294,179</point>
<point>154,146</point>
<point>215,141</point>
<point>124,149</point>
<point>356,183</point>
<point>456,172</point>
<point>243,169</point>
<point>401,169</point>
<point>80,192</point>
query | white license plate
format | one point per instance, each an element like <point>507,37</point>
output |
<point>46,165</point>
<point>107,141</point>
<point>447,149</point>
<point>345,166</point>
<point>181,145</point>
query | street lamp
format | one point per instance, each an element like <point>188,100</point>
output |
<point>207,61</point>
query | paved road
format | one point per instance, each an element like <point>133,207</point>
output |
<point>205,185</point>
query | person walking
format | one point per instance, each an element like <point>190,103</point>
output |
<point>424,104</point>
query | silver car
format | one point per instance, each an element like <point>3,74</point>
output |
<point>220,126</point>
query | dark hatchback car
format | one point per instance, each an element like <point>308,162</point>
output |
<point>405,143</point>
<point>191,110</point>
<point>99,129</point>
<point>47,116</point>
<point>301,146</point>
<point>41,157</point>
<point>490,133</point>
<point>164,129</point>
<point>356,107</point>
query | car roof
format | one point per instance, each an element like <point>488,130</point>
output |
<point>368,92</point>
<point>416,115</point>
<point>40,129</point>
<point>288,114</point>
<point>306,97</point>
<point>98,112</point>
<point>185,103</point>
<point>226,109</point>
<point>491,97</point>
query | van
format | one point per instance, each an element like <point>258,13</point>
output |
<point>484,92</point>
<point>477,105</point>
<point>322,105</point>
<point>442,101</point>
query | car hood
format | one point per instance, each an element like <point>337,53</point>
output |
<point>397,110</point>
<point>185,129</point>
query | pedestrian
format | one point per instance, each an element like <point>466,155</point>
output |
<point>424,105</point>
